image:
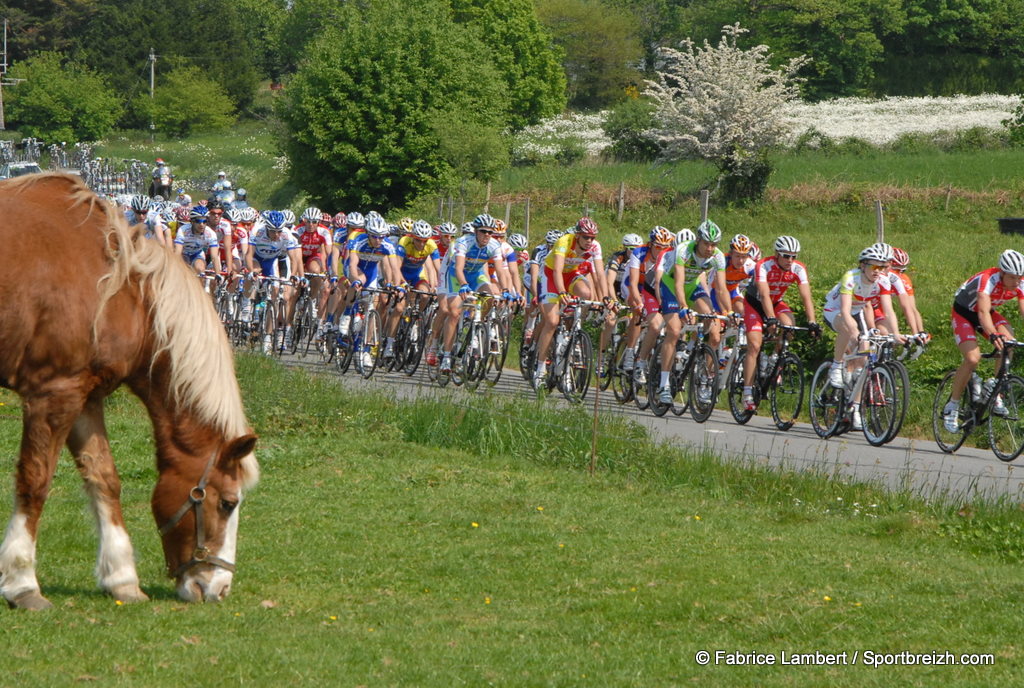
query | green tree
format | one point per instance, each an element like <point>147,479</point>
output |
<point>304,22</point>
<point>61,100</point>
<point>601,49</point>
<point>361,125</point>
<point>523,52</point>
<point>178,110</point>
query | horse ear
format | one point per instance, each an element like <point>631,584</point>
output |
<point>236,450</point>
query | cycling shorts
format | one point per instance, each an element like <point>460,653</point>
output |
<point>966,329</point>
<point>753,315</point>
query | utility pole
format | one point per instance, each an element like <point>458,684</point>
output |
<point>152,84</point>
<point>4,81</point>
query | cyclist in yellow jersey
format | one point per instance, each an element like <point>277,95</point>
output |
<point>418,260</point>
<point>573,268</point>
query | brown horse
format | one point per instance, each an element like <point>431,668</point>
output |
<point>86,304</point>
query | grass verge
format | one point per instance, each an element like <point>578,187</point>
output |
<point>426,544</point>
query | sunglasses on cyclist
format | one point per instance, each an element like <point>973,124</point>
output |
<point>788,255</point>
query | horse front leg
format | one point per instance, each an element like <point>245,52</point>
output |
<point>46,420</point>
<point>115,562</point>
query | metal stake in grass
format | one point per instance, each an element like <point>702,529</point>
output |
<point>879,222</point>
<point>705,195</point>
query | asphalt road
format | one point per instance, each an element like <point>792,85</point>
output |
<point>917,465</point>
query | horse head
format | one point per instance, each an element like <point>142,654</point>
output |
<point>197,514</point>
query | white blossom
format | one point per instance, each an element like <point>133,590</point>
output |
<point>546,137</point>
<point>881,121</point>
<point>721,103</point>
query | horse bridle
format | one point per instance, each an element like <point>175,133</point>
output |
<point>201,554</point>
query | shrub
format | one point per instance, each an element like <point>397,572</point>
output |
<point>627,125</point>
<point>570,152</point>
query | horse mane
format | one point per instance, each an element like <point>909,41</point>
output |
<point>185,326</point>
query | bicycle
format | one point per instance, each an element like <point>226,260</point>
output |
<point>365,341</point>
<point>779,378</point>
<point>832,408</point>
<point>692,353</point>
<point>305,319</point>
<point>999,402</point>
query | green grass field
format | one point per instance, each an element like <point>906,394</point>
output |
<point>436,544</point>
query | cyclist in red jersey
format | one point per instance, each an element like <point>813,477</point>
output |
<point>973,312</point>
<point>763,306</point>
<point>903,289</point>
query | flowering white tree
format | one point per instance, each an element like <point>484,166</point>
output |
<point>725,105</point>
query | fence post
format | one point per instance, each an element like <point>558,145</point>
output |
<point>526,221</point>
<point>487,200</point>
<point>451,208</point>
<point>440,208</point>
<point>508,211</point>
<point>622,201</point>
<point>705,196</point>
<point>879,222</point>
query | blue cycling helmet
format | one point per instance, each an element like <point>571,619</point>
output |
<point>275,219</point>
<point>198,214</point>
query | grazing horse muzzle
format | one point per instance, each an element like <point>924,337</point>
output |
<point>204,577</point>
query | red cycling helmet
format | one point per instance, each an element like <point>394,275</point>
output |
<point>586,227</point>
<point>900,259</point>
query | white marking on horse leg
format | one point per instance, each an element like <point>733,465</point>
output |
<point>115,563</point>
<point>18,559</point>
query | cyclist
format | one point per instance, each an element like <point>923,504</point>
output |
<point>418,263</point>
<point>275,252</point>
<point>371,264</point>
<point>315,242</point>
<point>196,243</point>
<point>739,269</point>
<point>644,285</point>
<point>903,289</point>
<point>510,256</point>
<point>685,277</point>
<point>567,269</point>
<point>974,311</point>
<point>764,307</point>
<point>466,272</point>
<point>848,311</point>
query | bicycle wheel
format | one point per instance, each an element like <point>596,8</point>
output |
<point>1006,418</point>
<point>302,333</point>
<point>497,349</point>
<point>902,380</point>
<point>372,345</point>
<point>622,385</point>
<point>526,359</point>
<point>653,382</point>
<point>640,394</point>
<point>344,347</point>
<point>682,365</point>
<point>948,441</point>
<point>786,391</point>
<point>827,403</point>
<point>878,405</point>
<point>577,367</point>
<point>415,336</point>
<point>462,341</point>
<point>474,356</point>
<point>734,387</point>
<point>703,383</point>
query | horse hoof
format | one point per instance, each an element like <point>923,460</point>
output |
<point>128,594</point>
<point>30,600</point>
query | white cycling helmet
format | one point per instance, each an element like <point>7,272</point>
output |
<point>517,241</point>
<point>422,229</point>
<point>356,220</point>
<point>468,228</point>
<point>311,214</point>
<point>376,226</point>
<point>553,236</point>
<point>1012,262</point>
<point>787,244</point>
<point>878,252</point>
<point>447,229</point>
<point>632,241</point>
<point>686,235</point>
